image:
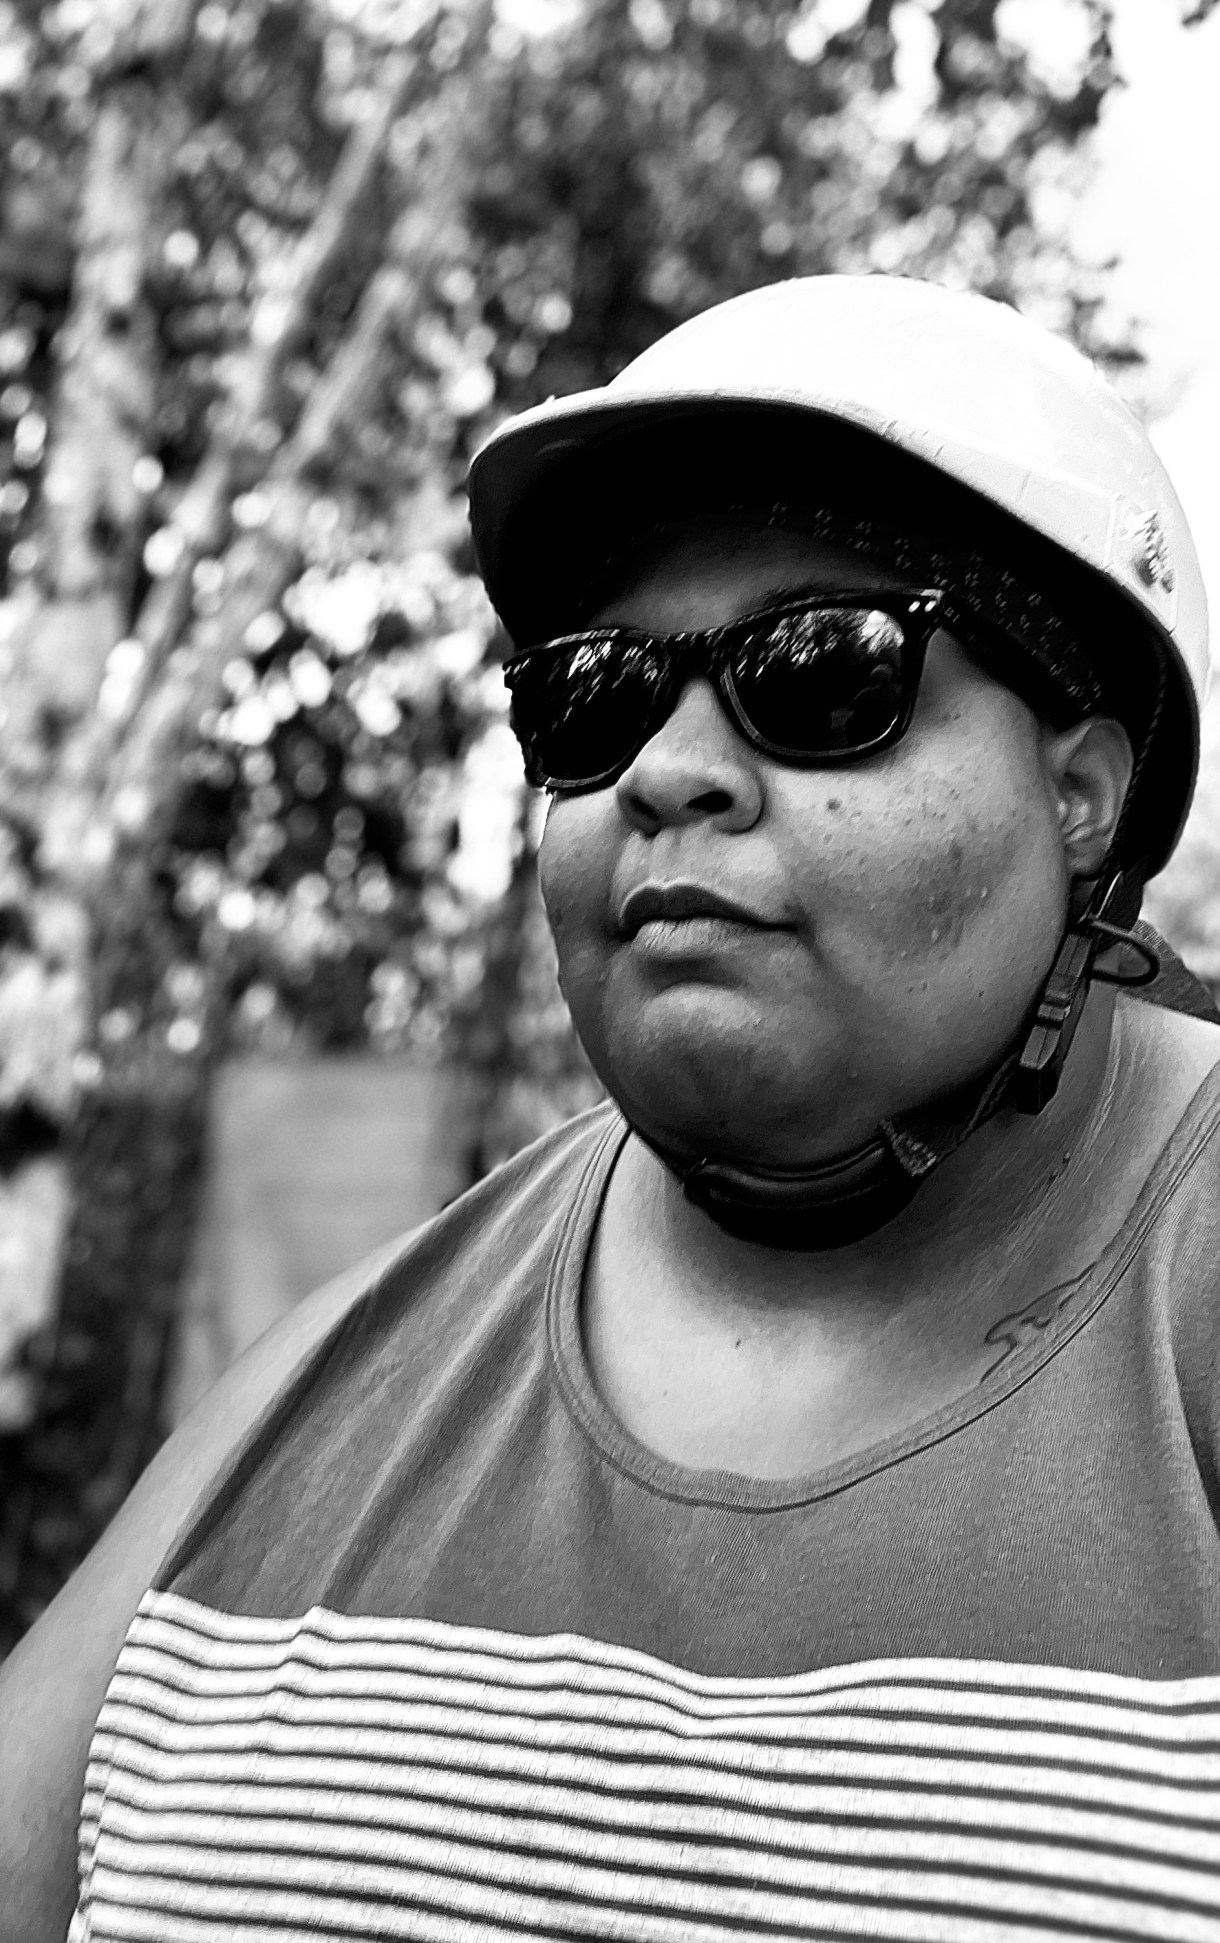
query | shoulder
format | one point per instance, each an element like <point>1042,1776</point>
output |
<point>53,1685</point>
<point>519,1193</point>
<point>1169,1055</point>
<point>506,1224</point>
<point>1167,1107</point>
<point>1161,1107</point>
<point>516,1194</point>
<point>1175,1070</point>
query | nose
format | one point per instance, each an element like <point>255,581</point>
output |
<point>696,765</point>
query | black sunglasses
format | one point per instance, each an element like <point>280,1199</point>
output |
<point>826,679</point>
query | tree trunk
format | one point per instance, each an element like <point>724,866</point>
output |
<point>135,1158</point>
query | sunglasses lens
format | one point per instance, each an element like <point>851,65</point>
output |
<point>823,682</point>
<point>812,684</point>
<point>582,711</point>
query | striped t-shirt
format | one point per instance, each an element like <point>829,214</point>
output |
<point>446,1655</point>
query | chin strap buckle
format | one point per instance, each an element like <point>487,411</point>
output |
<point>1035,1077</point>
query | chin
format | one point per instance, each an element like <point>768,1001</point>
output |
<point>734,1096</point>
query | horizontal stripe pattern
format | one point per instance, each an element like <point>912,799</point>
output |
<point>326,1776</point>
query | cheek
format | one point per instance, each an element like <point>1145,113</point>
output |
<point>574,862</point>
<point>554,868</point>
<point>957,872</point>
<point>961,866</point>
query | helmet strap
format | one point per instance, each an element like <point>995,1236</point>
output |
<point>852,1195</point>
<point>1041,1059</point>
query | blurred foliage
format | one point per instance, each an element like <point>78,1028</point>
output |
<point>270,270</point>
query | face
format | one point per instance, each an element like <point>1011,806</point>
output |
<point>883,926</point>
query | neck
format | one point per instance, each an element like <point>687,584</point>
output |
<point>718,1354</point>
<point>979,1208</point>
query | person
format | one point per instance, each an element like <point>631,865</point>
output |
<point>783,1500</point>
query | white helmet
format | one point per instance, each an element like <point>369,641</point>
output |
<point>961,383</point>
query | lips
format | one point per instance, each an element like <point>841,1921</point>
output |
<point>674,902</point>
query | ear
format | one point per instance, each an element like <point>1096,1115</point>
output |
<point>1089,770</point>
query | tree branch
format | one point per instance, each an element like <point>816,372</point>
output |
<point>202,517</point>
<point>144,776</point>
<point>147,31</point>
<point>90,762</point>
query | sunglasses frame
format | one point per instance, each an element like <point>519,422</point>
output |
<point>708,651</point>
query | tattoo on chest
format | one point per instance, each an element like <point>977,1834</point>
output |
<point>1024,1326</point>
